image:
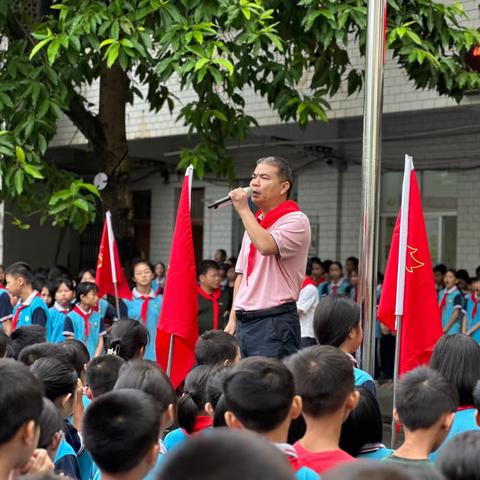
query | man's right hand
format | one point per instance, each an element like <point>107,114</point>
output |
<point>231,326</point>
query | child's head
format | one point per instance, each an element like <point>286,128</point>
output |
<point>129,339</point>
<point>64,292</point>
<point>51,428</point>
<point>363,426</point>
<point>231,273</point>
<point>260,396</point>
<point>2,274</point>
<point>86,275</point>
<point>142,271</point>
<point>102,373</point>
<point>220,256</point>
<point>463,279</point>
<point>29,355</point>
<point>24,336</point>
<point>476,286</point>
<point>351,264</point>
<point>79,356</point>
<point>86,294</point>
<point>335,271</point>
<point>457,358</point>
<point>209,275</point>
<point>216,405</point>
<point>315,267</point>
<point>44,288</point>
<point>5,345</point>
<point>20,409</point>
<point>19,277</point>
<point>426,401</point>
<point>336,322</point>
<point>60,383</point>
<point>439,272</point>
<point>192,403</point>
<point>450,278</point>
<point>353,278</point>
<point>238,456</point>
<point>324,380</point>
<point>121,430</point>
<point>160,270</point>
<point>215,347</point>
<point>149,378</point>
<point>459,459</point>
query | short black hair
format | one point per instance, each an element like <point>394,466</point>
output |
<point>323,378</point>
<point>313,261</point>
<point>363,425</point>
<point>58,378</point>
<point>20,269</point>
<point>29,355</point>
<point>24,336</point>
<point>326,264</point>
<point>84,288</point>
<point>462,274</point>
<point>50,422</point>
<point>223,252</point>
<point>215,395</point>
<point>102,373</point>
<point>140,261</point>
<point>354,260</point>
<point>285,172</point>
<point>423,396</point>
<point>40,282</point>
<point>337,263</point>
<point>440,268</point>
<point>205,265</point>
<point>259,392</point>
<point>119,428</point>
<point>5,345</point>
<point>459,460</point>
<point>20,398</point>
<point>128,338</point>
<point>238,455</point>
<point>82,272</point>
<point>148,377</point>
<point>369,470</point>
<point>457,358</point>
<point>62,281</point>
<point>216,346</point>
<point>79,356</point>
<point>334,318</point>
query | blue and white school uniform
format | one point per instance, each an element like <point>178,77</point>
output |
<point>57,321</point>
<point>66,461</point>
<point>151,313</point>
<point>75,326</point>
<point>31,311</point>
<point>362,378</point>
<point>374,451</point>
<point>5,307</point>
<point>449,301</point>
<point>472,310</point>
<point>331,288</point>
<point>158,286</point>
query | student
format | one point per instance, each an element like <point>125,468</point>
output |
<point>83,322</point>
<point>463,279</point>
<point>216,347</point>
<point>316,271</point>
<point>425,407</point>
<point>324,380</point>
<point>353,281</point>
<point>191,415</point>
<point>29,355</point>
<point>461,461</point>
<point>338,284</point>
<point>450,302</point>
<point>44,288</point>
<point>121,431</point>
<point>129,339</point>
<point>215,405</point>
<point>457,358</point>
<point>146,305</point>
<point>439,272</point>
<point>30,309</point>
<point>337,322</point>
<point>19,428</point>
<point>260,396</point>
<point>158,283</point>
<point>23,337</point>
<point>5,307</point>
<point>212,301</point>
<point>306,304</point>
<point>362,431</point>
<point>472,312</point>
<point>102,373</point>
<point>226,454</point>
<point>64,292</point>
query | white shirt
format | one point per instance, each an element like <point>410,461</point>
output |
<point>307,302</point>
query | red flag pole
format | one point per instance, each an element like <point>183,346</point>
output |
<point>112,260</point>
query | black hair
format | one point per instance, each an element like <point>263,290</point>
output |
<point>334,318</point>
<point>194,397</point>
<point>259,392</point>
<point>460,459</point>
<point>148,377</point>
<point>24,336</point>
<point>205,265</point>
<point>323,378</point>
<point>84,288</point>
<point>452,270</point>
<point>369,470</point>
<point>39,283</point>
<point>243,455</point>
<point>20,398</point>
<point>462,274</point>
<point>91,271</point>
<point>102,373</point>
<point>285,172</point>
<point>163,265</point>
<point>50,422</point>
<point>354,260</point>
<point>140,261</point>
<point>363,425</point>
<point>476,395</point>
<point>338,264</point>
<point>215,346</point>
<point>312,261</point>
<point>128,338</point>
<point>223,252</point>
<point>326,265</point>
<point>58,378</point>
<point>57,272</point>
<point>120,428</point>
<point>441,268</point>
<point>60,281</point>
<point>215,395</point>
<point>423,396</point>
<point>20,269</point>
<point>5,345</point>
<point>32,353</point>
<point>79,356</point>
<point>457,358</point>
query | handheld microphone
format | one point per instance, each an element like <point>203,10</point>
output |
<point>225,200</point>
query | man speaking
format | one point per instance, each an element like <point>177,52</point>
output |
<point>271,263</point>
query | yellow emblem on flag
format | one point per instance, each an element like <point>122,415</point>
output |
<point>414,262</point>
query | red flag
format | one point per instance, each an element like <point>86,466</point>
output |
<point>109,269</point>
<point>178,317</point>
<point>409,288</point>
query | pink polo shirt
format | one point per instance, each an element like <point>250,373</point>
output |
<point>275,279</point>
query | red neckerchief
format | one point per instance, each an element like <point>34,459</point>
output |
<point>202,422</point>
<point>322,279</point>
<point>267,221</point>
<point>214,299</point>
<point>355,295</point>
<point>475,301</point>
<point>85,316</point>
<point>143,313</point>
<point>17,313</point>
<point>465,407</point>
<point>307,281</point>
<point>2,286</point>
<point>443,301</point>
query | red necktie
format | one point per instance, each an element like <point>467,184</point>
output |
<point>334,289</point>
<point>17,314</point>
<point>213,297</point>
<point>443,301</point>
<point>86,317</point>
<point>143,313</point>
<point>475,305</point>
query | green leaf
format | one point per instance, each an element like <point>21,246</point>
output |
<point>112,54</point>
<point>224,63</point>
<point>53,50</point>
<point>91,188</point>
<point>18,181</point>
<point>200,63</point>
<point>20,154</point>
<point>42,143</point>
<point>220,115</point>
<point>33,171</point>
<point>82,204</point>
<point>44,107</point>
<point>108,41</point>
<point>39,46</point>
<point>114,31</point>
<point>198,37</point>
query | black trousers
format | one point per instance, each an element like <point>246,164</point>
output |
<point>269,334</point>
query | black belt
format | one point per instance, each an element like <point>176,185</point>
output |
<point>247,316</point>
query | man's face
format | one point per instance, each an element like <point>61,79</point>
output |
<point>211,279</point>
<point>268,187</point>
<point>14,285</point>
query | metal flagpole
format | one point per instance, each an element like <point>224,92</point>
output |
<point>170,355</point>
<point>112,260</point>
<point>370,177</point>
